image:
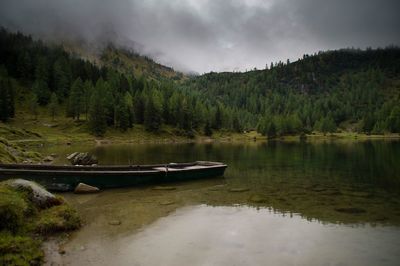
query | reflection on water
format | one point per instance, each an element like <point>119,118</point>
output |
<point>328,203</point>
<point>204,235</point>
<point>341,181</point>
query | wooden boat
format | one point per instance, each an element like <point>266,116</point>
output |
<point>66,178</point>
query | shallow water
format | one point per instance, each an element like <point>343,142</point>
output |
<point>204,235</point>
<point>326,203</point>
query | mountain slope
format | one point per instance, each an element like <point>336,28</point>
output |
<point>347,87</point>
<point>126,61</point>
<point>345,90</point>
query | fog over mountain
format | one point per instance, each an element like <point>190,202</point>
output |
<point>203,36</point>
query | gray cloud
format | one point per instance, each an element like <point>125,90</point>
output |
<point>211,35</point>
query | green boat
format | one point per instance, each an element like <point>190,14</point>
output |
<point>66,178</point>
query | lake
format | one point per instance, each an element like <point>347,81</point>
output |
<point>279,203</point>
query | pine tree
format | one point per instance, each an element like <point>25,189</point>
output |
<point>97,115</point>
<point>271,130</point>
<point>76,99</point>
<point>25,67</point>
<point>42,91</point>
<point>130,110</point>
<point>153,111</point>
<point>394,120</point>
<point>207,129</point>
<point>7,108</point>
<point>61,77</point>
<point>185,121</point>
<point>42,70</point>
<point>53,105</point>
<point>174,109</point>
<point>236,126</point>
<point>33,105</point>
<point>87,92</point>
<point>218,118</point>
<point>139,105</point>
<point>122,114</point>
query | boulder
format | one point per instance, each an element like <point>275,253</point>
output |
<point>114,222</point>
<point>83,188</point>
<point>82,158</point>
<point>239,189</point>
<point>39,196</point>
<point>72,155</point>
<point>48,158</point>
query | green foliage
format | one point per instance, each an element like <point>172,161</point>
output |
<point>76,104</point>
<point>33,105</point>
<point>218,118</point>
<point>153,111</point>
<point>13,153</point>
<point>87,92</point>
<point>207,129</point>
<point>325,125</point>
<point>53,105</point>
<point>394,119</point>
<point>23,224</point>
<point>7,108</point>
<point>124,111</point>
<point>41,91</point>
<point>318,92</point>
<point>13,208</point>
<point>19,250</point>
<point>59,218</point>
<point>350,86</point>
<point>97,111</point>
<point>61,77</point>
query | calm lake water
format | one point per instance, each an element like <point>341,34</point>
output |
<point>300,203</point>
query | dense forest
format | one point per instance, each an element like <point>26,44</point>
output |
<point>37,74</point>
<point>354,90</point>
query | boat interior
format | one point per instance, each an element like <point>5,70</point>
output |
<point>160,167</point>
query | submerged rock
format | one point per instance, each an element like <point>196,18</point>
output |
<point>239,189</point>
<point>83,188</point>
<point>351,210</point>
<point>82,158</point>
<point>258,198</point>
<point>164,188</point>
<point>167,202</point>
<point>217,188</point>
<point>114,222</point>
<point>40,196</point>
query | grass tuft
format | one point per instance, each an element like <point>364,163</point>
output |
<point>24,225</point>
<point>56,219</point>
<point>19,250</point>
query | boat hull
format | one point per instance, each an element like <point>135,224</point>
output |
<point>67,178</point>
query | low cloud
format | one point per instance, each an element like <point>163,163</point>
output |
<point>206,35</point>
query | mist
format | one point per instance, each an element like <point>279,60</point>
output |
<point>207,35</point>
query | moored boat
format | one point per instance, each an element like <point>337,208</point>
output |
<point>66,178</point>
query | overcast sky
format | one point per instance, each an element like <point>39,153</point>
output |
<point>212,35</point>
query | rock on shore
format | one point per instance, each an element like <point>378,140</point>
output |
<point>82,158</point>
<point>40,196</point>
<point>83,188</point>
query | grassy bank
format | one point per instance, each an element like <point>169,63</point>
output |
<point>26,130</point>
<point>24,225</point>
<point>14,153</point>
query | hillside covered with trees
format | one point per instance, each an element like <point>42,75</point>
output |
<point>349,90</point>
<point>352,89</point>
